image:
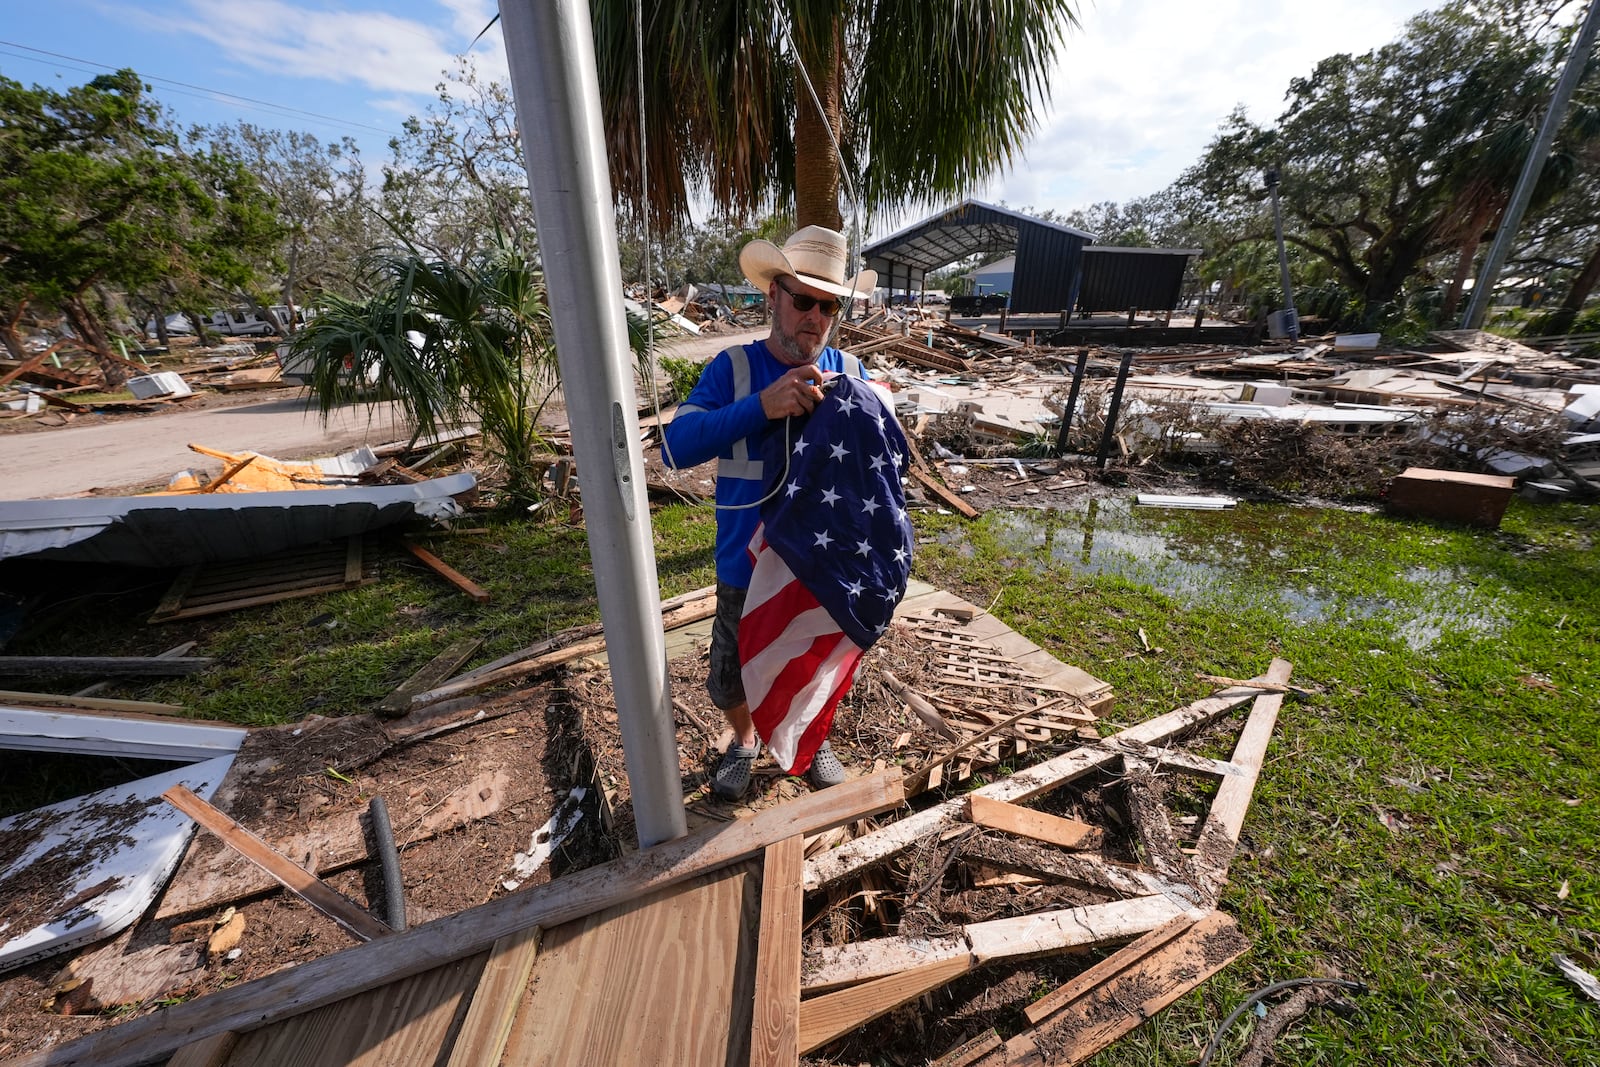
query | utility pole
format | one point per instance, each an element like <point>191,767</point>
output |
<point>550,46</point>
<point>1288,317</point>
<point>1511,221</point>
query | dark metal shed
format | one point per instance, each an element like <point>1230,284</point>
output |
<point>1049,254</point>
<point>1116,279</point>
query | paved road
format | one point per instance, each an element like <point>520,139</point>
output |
<point>144,451</point>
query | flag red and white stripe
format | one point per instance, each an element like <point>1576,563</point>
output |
<point>796,662</point>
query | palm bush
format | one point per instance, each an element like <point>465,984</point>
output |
<point>451,344</point>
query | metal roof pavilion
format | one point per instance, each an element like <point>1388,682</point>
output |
<point>1049,254</point>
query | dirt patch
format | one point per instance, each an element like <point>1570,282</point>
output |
<point>444,872</point>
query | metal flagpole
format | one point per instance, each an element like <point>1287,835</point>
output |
<point>1511,221</point>
<point>550,46</point>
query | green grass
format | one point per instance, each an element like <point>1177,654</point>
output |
<point>1480,745</point>
<point>1457,700</point>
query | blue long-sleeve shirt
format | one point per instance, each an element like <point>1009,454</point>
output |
<point>722,418</point>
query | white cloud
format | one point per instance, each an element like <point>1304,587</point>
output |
<point>1140,90</point>
<point>363,49</point>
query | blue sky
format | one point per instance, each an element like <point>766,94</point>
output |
<point>1139,90</point>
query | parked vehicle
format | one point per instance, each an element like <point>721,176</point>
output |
<point>234,322</point>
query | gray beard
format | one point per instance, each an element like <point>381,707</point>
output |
<point>790,350</point>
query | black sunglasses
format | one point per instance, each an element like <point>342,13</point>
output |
<point>803,303</point>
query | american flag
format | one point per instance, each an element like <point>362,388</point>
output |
<point>832,559</point>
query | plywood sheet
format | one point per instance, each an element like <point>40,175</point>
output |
<point>668,978</point>
<point>402,1024</point>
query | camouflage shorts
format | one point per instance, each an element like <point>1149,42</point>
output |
<point>724,684</point>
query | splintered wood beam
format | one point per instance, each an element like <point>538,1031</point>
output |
<point>920,706</point>
<point>495,1000</point>
<point>1106,1011</point>
<point>512,672</point>
<point>1109,967</point>
<point>944,493</point>
<point>776,1038</point>
<point>1038,825</point>
<point>447,572</point>
<point>115,666</point>
<point>554,651</point>
<point>880,845</point>
<point>61,700</point>
<point>1152,827</point>
<point>1219,835</point>
<point>969,1052</point>
<point>1040,934</point>
<point>305,885</point>
<point>294,990</point>
<point>432,673</point>
<point>824,1018</point>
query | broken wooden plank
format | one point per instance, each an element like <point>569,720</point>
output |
<point>445,571</point>
<point>176,650</point>
<point>776,1031</point>
<point>1107,1011</point>
<point>1039,934</point>
<point>512,672</point>
<point>825,1018</point>
<point>555,651</point>
<point>890,840</point>
<point>1255,683</point>
<point>342,974</point>
<point>232,469</point>
<point>1219,836</point>
<point>940,490</point>
<point>1152,828</point>
<point>209,879</point>
<point>435,671</point>
<point>495,1000</point>
<point>919,705</point>
<point>1107,968</point>
<point>970,1051</point>
<point>296,879</point>
<point>1038,825</point>
<point>115,666</point>
<point>61,700</point>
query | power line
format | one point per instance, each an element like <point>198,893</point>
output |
<point>200,91</point>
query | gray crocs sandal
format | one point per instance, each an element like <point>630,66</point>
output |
<point>732,776</point>
<point>825,769</point>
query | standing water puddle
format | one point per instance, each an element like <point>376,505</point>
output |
<point>1252,556</point>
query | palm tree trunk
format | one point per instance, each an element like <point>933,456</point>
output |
<point>817,165</point>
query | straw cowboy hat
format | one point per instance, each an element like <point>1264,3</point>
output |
<point>813,254</point>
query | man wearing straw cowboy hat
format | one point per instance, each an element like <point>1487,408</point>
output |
<point>743,395</point>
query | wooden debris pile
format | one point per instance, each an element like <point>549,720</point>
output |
<point>1082,851</point>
